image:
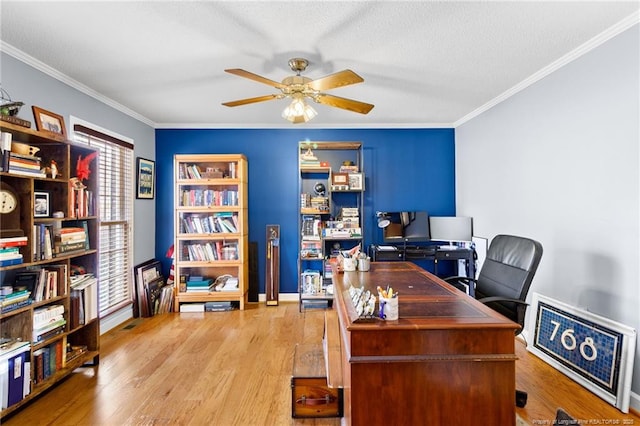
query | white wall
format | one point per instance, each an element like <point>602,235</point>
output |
<point>559,162</point>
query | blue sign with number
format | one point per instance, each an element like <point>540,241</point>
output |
<point>589,349</point>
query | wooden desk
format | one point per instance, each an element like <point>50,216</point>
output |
<point>447,360</point>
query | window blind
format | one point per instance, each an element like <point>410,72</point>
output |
<point>115,209</point>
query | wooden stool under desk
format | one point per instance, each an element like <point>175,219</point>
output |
<point>310,394</point>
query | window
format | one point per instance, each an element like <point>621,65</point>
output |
<point>115,208</point>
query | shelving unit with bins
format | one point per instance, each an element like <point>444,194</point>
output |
<point>77,343</point>
<point>323,229</point>
<point>211,226</point>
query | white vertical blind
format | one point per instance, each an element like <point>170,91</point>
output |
<point>115,195</point>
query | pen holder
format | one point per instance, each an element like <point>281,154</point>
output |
<point>349,264</point>
<point>364,264</point>
<point>389,308</point>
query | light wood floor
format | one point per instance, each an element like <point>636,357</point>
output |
<point>234,368</point>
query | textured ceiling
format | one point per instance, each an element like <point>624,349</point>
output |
<point>424,63</point>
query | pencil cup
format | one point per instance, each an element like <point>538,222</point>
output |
<point>364,264</point>
<point>348,264</point>
<point>389,308</point>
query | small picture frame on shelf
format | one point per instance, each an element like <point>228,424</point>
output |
<point>340,179</point>
<point>48,121</point>
<point>356,182</point>
<point>145,178</point>
<point>41,204</point>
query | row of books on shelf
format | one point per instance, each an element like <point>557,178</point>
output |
<point>47,361</point>
<point>83,300</point>
<point>213,250</point>
<point>46,282</point>
<point>208,197</point>
<point>50,242</point>
<point>214,223</point>
<point>195,171</point>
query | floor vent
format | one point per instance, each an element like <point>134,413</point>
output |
<point>130,325</point>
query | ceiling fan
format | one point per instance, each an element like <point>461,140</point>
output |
<point>298,88</point>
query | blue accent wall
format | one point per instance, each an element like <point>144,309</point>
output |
<point>405,169</point>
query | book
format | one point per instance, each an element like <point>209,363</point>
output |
<point>10,254</point>
<point>71,246</point>
<point>17,305</point>
<point>218,306</point>
<point>69,234</point>
<point>25,171</point>
<point>9,262</point>
<point>13,241</point>
<point>9,250</point>
<point>48,331</point>
<point>192,307</point>
<point>14,297</point>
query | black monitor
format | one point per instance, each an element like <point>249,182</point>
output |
<point>451,228</point>
<point>406,227</point>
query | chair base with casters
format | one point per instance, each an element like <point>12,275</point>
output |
<point>504,280</point>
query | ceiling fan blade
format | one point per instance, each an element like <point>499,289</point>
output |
<point>339,79</point>
<point>255,77</point>
<point>251,100</point>
<point>344,103</point>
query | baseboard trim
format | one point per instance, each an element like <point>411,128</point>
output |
<point>282,297</point>
<point>115,319</point>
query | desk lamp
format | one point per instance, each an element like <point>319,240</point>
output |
<point>383,219</point>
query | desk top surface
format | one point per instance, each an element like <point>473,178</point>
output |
<point>425,301</point>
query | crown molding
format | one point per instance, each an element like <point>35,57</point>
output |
<point>286,126</point>
<point>52,72</point>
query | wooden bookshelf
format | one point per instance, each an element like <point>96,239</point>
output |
<point>43,252</point>
<point>211,228</point>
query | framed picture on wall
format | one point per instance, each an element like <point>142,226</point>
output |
<point>49,122</point>
<point>145,178</point>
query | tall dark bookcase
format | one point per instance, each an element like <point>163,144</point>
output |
<point>47,207</point>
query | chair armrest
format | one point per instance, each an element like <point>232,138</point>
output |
<point>490,299</point>
<point>464,284</point>
<point>459,278</point>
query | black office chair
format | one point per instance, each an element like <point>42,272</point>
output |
<point>504,280</point>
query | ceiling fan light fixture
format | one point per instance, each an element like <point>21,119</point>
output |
<point>298,111</point>
<point>298,87</point>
